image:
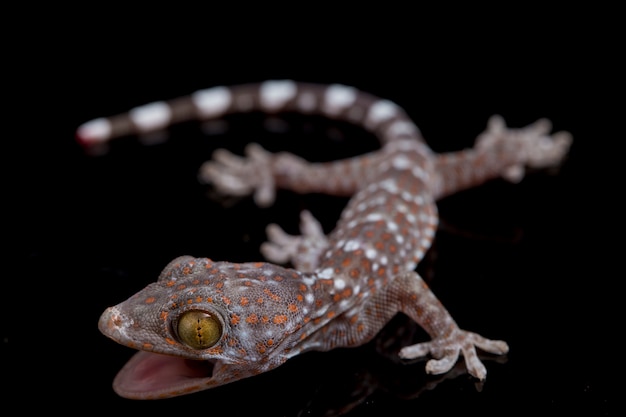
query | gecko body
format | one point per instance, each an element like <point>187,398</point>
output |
<point>206,323</point>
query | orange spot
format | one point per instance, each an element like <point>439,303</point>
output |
<point>164,315</point>
<point>381,271</point>
<point>354,273</point>
<point>244,301</point>
<point>318,303</point>
<point>234,320</point>
<point>303,336</point>
<point>280,319</point>
<point>278,278</point>
<point>170,283</point>
<point>270,342</point>
<point>379,245</point>
<point>366,264</point>
<point>215,350</point>
<point>219,285</point>
<point>300,297</point>
<point>198,299</point>
<point>336,297</point>
<point>347,292</point>
<point>170,341</point>
<point>330,314</point>
<point>317,320</point>
<point>189,301</point>
<point>260,347</point>
<point>259,300</point>
<point>150,300</point>
<point>353,319</point>
<point>292,308</point>
<point>209,299</point>
<point>392,248</point>
<point>226,300</point>
<point>147,346</point>
<point>360,328</point>
<point>252,319</point>
<point>346,262</point>
<point>306,319</point>
<point>181,287</point>
<point>258,264</point>
<point>195,282</point>
<point>265,319</point>
<point>273,296</point>
<point>302,287</point>
<point>186,270</point>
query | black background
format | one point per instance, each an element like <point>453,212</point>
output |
<point>528,263</point>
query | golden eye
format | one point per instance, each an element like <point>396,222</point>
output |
<point>198,329</point>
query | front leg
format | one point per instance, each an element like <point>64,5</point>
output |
<point>410,294</point>
<point>302,251</point>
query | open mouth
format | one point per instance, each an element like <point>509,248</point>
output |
<point>150,375</point>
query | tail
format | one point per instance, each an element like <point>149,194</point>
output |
<point>382,117</point>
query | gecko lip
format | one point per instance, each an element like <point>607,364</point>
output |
<point>150,375</point>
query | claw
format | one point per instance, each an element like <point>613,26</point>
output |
<point>474,366</point>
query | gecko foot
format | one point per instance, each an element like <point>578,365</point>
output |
<point>234,175</point>
<point>532,145</point>
<point>302,251</point>
<point>446,350</point>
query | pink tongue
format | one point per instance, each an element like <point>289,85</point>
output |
<point>147,372</point>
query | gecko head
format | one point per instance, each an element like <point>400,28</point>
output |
<point>204,324</point>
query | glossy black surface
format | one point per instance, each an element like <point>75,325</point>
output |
<point>527,263</point>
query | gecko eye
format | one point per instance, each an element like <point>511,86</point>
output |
<point>198,329</point>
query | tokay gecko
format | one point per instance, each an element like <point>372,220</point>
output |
<point>243,319</point>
